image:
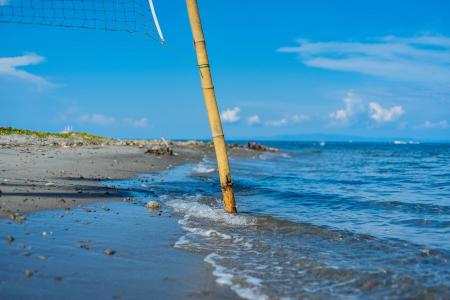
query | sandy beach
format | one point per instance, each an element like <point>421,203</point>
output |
<point>53,173</point>
<point>62,236</point>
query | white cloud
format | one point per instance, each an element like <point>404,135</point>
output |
<point>230,115</point>
<point>287,120</point>
<point>381,114</point>
<point>277,123</point>
<point>441,124</point>
<point>142,123</point>
<point>253,120</point>
<point>353,105</point>
<point>98,119</point>
<point>104,120</point>
<point>299,118</point>
<point>67,114</point>
<point>9,65</point>
<point>424,58</point>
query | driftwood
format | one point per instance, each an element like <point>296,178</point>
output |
<point>161,150</point>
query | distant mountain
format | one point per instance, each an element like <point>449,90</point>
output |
<point>339,138</point>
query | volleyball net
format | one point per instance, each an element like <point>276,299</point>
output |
<point>133,16</point>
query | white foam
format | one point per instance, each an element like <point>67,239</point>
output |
<point>202,169</point>
<point>226,277</point>
<point>181,242</point>
<point>195,209</point>
<point>223,277</point>
<point>211,233</point>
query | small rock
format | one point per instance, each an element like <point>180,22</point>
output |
<point>258,147</point>
<point>425,252</point>
<point>109,251</point>
<point>85,246</point>
<point>28,273</point>
<point>17,217</point>
<point>9,238</point>
<point>152,205</point>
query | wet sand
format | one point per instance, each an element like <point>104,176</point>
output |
<point>63,254</point>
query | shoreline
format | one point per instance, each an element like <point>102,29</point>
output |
<point>44,174</point>
<point>63,219</point>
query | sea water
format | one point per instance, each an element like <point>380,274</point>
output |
<point>320,221</point>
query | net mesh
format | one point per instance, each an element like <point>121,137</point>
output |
<point>133,16</point>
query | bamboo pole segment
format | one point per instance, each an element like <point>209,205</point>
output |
<point>211,107</point>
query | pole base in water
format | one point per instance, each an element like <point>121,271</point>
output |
<point>228,197</point>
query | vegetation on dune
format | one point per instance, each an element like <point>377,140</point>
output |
<point>43,134</point>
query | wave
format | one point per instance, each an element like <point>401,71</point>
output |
<point>201,168</point>
<point>262,257</point>
<point>193,208</point>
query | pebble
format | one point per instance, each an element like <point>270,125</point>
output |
<point>28,273</point>
<point>109,251</point>
<point>152,205</point>
<point>9,238</point>
<point>17,217</point>
<point>425,252</point>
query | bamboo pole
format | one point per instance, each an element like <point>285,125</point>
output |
<point>211,107</point>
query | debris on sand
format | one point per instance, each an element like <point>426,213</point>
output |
<point>160,150</point>
<point>109,251</point>
<point>152,205</point>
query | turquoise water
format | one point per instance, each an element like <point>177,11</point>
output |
<point>340,220</point>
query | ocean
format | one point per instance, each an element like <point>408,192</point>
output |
<point>319,221</point>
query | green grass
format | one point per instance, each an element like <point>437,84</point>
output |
<point>43,134</point>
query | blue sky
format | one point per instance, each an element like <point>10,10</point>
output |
<point>359,68</point>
